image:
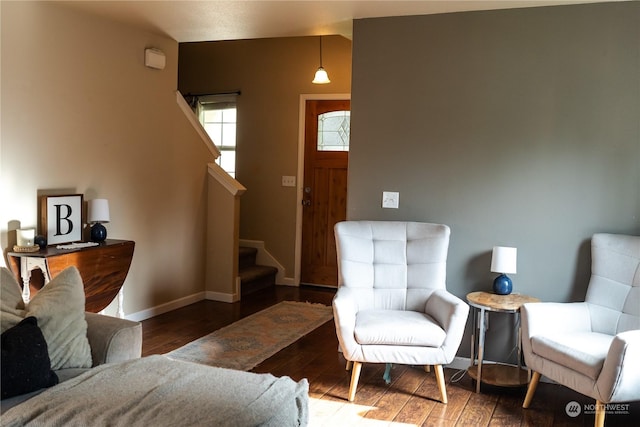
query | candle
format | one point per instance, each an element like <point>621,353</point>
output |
<point>25,236</point>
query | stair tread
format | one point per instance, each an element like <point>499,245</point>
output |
<point>256,271</point>
<point>246,256</point>
<point>246,250</point>
<point>254,277</point>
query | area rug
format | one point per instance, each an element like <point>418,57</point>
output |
<point>253,339</point>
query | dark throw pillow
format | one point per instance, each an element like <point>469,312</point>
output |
<point>25,365</point>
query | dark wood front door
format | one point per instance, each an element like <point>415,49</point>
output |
<point>324,192</point>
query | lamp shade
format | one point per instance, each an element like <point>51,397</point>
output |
<point>504,259</point>
<point>98,211</point>
<point>321,77</point>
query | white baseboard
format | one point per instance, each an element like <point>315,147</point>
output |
<point>287,281</point>
<point>181,302</point>
<point>165,308</point>
<point>222,297</point>
<point>225,297</point>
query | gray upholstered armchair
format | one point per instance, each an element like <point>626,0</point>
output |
<point>592,347</point>
<point>392,305</point>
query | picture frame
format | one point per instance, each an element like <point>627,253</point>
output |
<point>61,218</point>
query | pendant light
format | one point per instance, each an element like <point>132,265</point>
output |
<point>321,76</point>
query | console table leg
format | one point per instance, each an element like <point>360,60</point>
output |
<point>25,272</point>
<point>45,273</point>
<point>121,303</point>
<point>27,264</point>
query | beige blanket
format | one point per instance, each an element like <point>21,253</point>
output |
<point>158,391</point>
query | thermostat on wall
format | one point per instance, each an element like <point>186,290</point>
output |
<point>154,58</point>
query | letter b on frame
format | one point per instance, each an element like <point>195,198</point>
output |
<point>62,218</point>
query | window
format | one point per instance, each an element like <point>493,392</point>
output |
<point>218,114</point>
<point>334,129</point>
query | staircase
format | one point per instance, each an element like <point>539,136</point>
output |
<point>253,277</point>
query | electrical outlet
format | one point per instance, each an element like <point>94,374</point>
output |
<point>390,199</point>
<point>288,181</point>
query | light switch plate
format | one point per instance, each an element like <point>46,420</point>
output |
<point>288,181</point>
<point>390,199</point>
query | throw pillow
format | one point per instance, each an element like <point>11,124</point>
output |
<point>25,365</point>
<point>59,308</point>
<point>11,305</point>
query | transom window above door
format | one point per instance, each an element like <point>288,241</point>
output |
<point>334,130</point>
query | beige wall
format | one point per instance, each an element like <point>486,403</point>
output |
<point>81,113</point>
<point>514,127</point>
<point>271,74</point>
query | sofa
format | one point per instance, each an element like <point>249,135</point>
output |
<point>111,339</point>
<point>62,366</point>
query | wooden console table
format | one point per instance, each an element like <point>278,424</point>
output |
<point>103,269</point>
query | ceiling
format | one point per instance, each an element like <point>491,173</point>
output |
<point>189,21</point>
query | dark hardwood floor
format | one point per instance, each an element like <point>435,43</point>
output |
<point>409,400</point>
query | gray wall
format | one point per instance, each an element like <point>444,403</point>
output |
<point>515,127</point>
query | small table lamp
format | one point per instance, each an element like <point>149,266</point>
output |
<point>503,261</point>
<point>98,213</point>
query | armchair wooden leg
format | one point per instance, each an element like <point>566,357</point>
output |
<point>427,368</point>
<point>355,376</point>
<point>532,389</point>
<point>441,384</point>
<point>349,365</point>
<point>600,413</point>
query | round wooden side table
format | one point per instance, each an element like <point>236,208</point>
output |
<point>499,374</point>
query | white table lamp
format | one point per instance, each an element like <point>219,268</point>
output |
<point>503,261</point>
<point>98,214</point>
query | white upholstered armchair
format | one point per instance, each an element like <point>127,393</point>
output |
<point>392,305</point>
<point>592,347</point>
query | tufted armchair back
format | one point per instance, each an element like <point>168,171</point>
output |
<point>592,347</point>
<point>613,295</point>
<point>392,265</point>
